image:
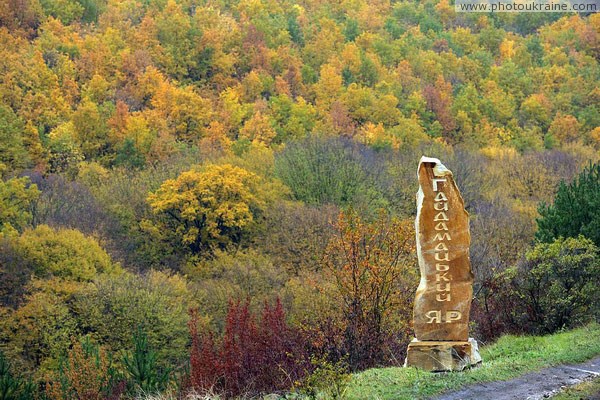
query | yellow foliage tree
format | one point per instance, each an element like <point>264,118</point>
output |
<point>90,131</point>
<point>328,88</point>
<point>507,49</point>
<point>65,253</point>
<point>216,139</point>
<point>186,113</point>
<point>594,137</point>
<point>208,208</point>
<point>231,111</point>
<point>258,129</point>
<point>16,198</point>
<point>565,128</point>
<point>376,136</point>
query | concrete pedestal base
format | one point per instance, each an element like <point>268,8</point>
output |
<point>442,356</point>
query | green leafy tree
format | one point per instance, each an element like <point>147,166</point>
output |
<point>91,130</point>
<point>12,150</point>
<point>575,211</point>
<point>38,333</point>
<point>128,155</point>
<point>13,387</point>
<point>367,73</point>
<point>558,283</point>
<point>352,30</point>
<point>65,10</point>
<point>329,170</point>
<point>157,303</point>
<point>295,30</point>
<point>142,366</point>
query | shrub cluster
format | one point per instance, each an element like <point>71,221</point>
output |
<point>253,356</point>
<point>554,286</point>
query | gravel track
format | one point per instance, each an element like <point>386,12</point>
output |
<point>532,386</point>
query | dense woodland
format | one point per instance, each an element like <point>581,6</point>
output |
<point>218,196</point>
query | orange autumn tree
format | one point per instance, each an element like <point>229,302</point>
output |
<point>85,374</point>
<point>374,266</point>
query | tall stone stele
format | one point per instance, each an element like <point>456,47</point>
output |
<point>443,299</point>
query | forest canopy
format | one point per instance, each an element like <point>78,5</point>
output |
<point>128,83</point>
<point>192,191</point>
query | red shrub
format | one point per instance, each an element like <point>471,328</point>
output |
<point>204,362</point>
<point>496,310</point>
<point>254,356</point>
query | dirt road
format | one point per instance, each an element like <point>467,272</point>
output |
<point>533,386</point>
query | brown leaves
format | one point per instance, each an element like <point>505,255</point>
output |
<point>374,266</point>
<point>85,375</point>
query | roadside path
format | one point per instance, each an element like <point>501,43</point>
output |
<point>532,386</point>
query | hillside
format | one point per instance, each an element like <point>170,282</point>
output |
<point>130,83</point>
<point>219,196</point>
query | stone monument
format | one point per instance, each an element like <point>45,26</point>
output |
<point>443,299</point>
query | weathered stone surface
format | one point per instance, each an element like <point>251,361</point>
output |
<point>443,299</point>
<point>443,356</point>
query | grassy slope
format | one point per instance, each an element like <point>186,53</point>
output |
<point>511,356</point>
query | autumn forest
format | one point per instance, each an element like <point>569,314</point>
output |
<point>218,197</point>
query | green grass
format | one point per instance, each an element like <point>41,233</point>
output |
<point>509,357</point>
<point>582,391</point>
